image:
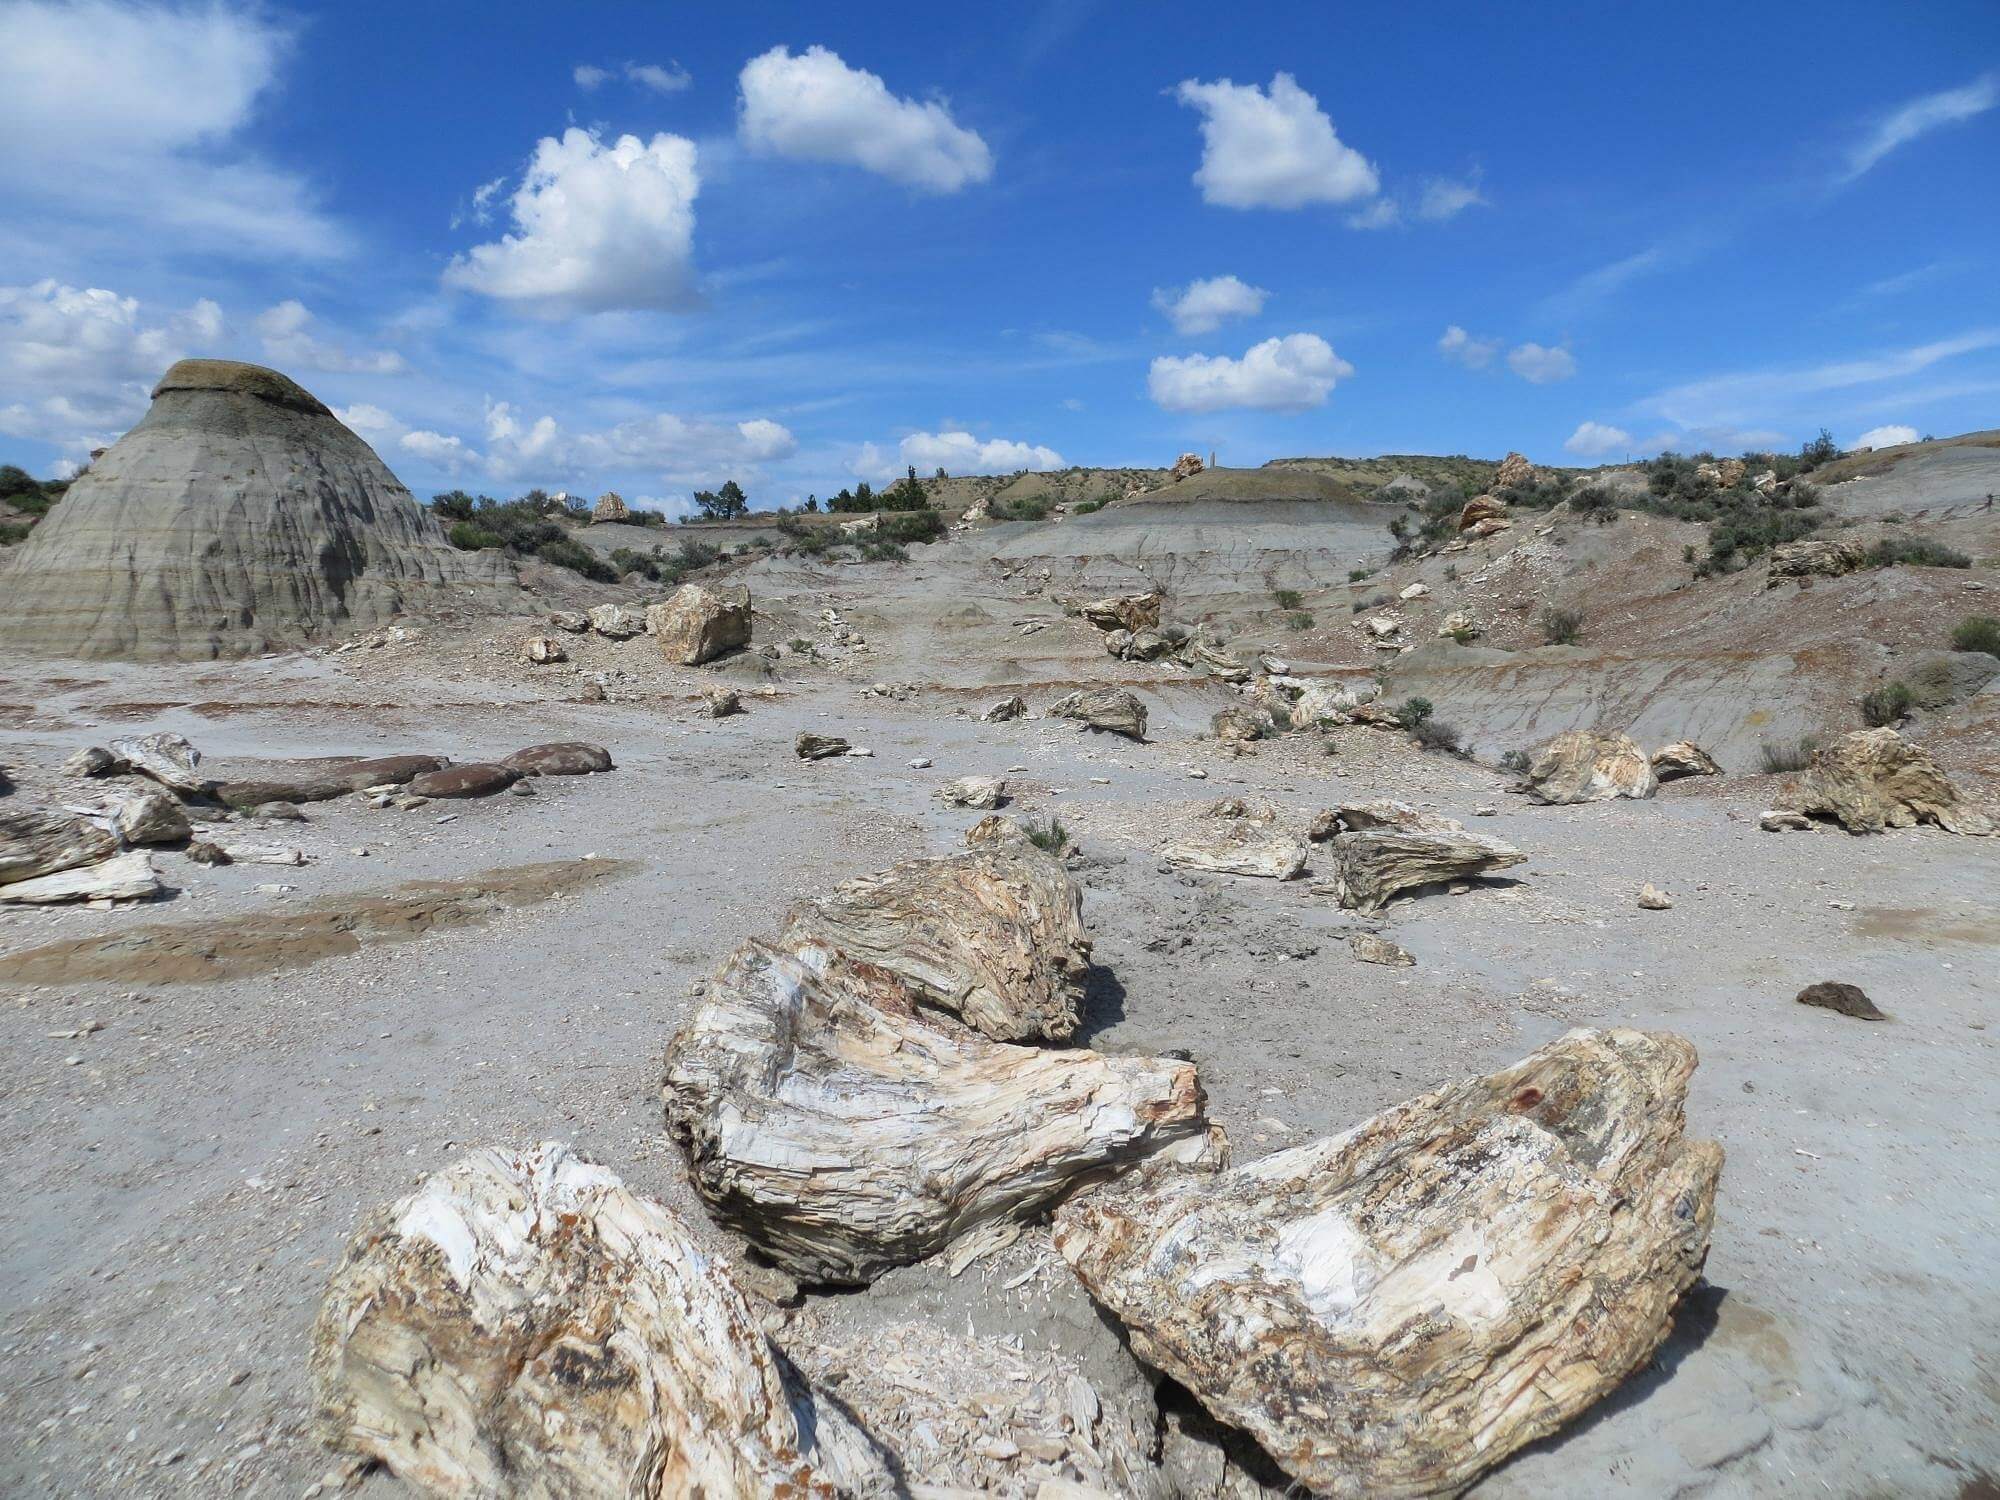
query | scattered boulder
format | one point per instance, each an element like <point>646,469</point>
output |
<point>1514,473</point>
<point>1113,710</point>
<point>1239,726</point>
<point>1581,765</point>
<point>993,937</point>
<point>122,877</point>
<point>570,621</point>
<point>1459,626</point>
<point>1385,847</point>
<point>1414,591</point>
<point>1384,625</point>
<point>1783,820</point>
<point>1766,482</point>
<point>1847,999</point>
<point>166,758</point>
<point>842,1138</point>
<point>541,650</point>
<point>1186,467</point>
<point>524,1324</point>
<point>153,818</point>
<point>1123,611</point>
<point>698,624</point>
<point>980,792</point>
<point>559,758</point>
<point>207,852</point>
<point>1874,779</point>
<point>244,795</point>
<point>93,760</point>
<point>1394,1310</point>
<point>1652,898</point>
<point>35,843</point>
<point>1813,558</point>
<point>810,746</point>
<point>473,779</point>
<point>1481,508</point>
<point>1708,474</point>
<point>1007,708</point>
<point>720,702</point>
<point>1729,472</point>
<point>1371,949</point>
<point>1683,758</point>
<point>1137,645</point>
<point>610,506</point>
<point>277,812</point>
<point>1237,837</point>
<point>617,622</point>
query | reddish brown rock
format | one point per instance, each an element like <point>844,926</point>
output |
<point>560,758</point>
<point>473,779</point>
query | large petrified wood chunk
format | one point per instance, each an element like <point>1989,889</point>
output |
<point>1392,1311</point>
<point>1683,758</point>
<point>993,936</point>
<point>122,877</point>
<point>842,1138</point>
<point>1874,779</point>
<point>1390,846</point>
<point>1237,837</point>
<point>35,842</point>
<point>524,1325</point>
<point>1113,710</point>
<point>166,758</point>
<point>1582,766</point>
<point>698,624</point>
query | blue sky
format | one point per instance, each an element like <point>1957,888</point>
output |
<point>649,247</point>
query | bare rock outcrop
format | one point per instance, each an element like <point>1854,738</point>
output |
<point>525,1325</point>
<point>1813,558</point>
<point>1186,467</point>
<point>122,877</point>
<point>993,936</point>
<point>237,517</point>
<point>1235,836</point>
<point>842,1137</point>
<point>698,624</point>
<point>1383,847</point>
<point>1875,779</point>
<point>1683,758</point>
<point>1392,1311</point>
<point>1113,710</point>
<point>1581,765</point>
<point>610,506</point>
<point>1122,611</point>
<point>1514,473</point>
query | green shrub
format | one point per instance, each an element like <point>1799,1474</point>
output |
<point>1414,712</point>
<point>911,526</point>
<point>1916,552</point>
<point>467,536</point>
<point>1086,507</point>
<point>1047,834</point>
<point>1561,627</point>
<point>1821,450</point>
<point>578,559</point>
<point>1435,734</point>
<point>883,552</point>
<point>11,534</point>
<point>1355,575</point>
<point>1516,760</point>
<point>1887,704</point>
<point>1288,598</point>
<point>1299,619</point>
<point>1788,755</point>
<point>627,561</point>
<point>1977,633</point>
<point>1023,508</point>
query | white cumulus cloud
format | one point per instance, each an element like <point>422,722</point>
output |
<point>286,331</point>
<point>1203,306</point>
<point>661,80</point>
<point>1272,149</point>
<point>1445,198</point>
<point>1462,348</point>
<point>434,448</point>
<point>1540,365</point>
<point>814,107</point>
<point>962,453</point>
<point>115,112</point>
<point>1887,436</point>
<point>77,364</point>
<point>597,227</point>
<point>1290,374</point>
<point>1595,440</point>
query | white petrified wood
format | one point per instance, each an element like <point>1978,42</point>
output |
<point>168,759</point>
<point>1387,846</point>
<point>1392,1311</point>
<point>123,877</point>
<point>994,936</point>
<point>1236,836</point>
<point>1580,765</point>
<point>523,1325</point>
<point>841,1137</point>
<point>35,841</point>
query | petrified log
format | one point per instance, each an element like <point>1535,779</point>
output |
<point>842,1138</point>
<point>720,701</point>
<point>1683,758</point>
<point>1371,949</point>
<point>1392,1311</point>
<point>93,760</point>
<point>541,650</point>
<point>166,758</point>
<point>1015,707</point>
<point>123,877</point>
<point>386,770</point>
<point>152,817</point>
<point>1122,611</point>
<point>35,843</point>
<point>1111,709</point>
<point>244,795</point>
<point>1874,779</point>
<point>1583,766</point>
<point>524,1325</point>
<point>980,792</point>
<point>1237,725</point>
<point>473,779</point>
<point>560,758</point>
<point>618,622</point>
<point>993,936</point>
<point>1237,837</point>
<point>699,624</point>
<point>810,746</point>
<point>1390,846</point>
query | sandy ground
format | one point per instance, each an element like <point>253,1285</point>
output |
<point>182,1179</point>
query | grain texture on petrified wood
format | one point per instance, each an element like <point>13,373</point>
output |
<point>841,1137</point>
<point>1394,1310</point>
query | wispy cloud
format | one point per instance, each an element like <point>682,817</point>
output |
<point>1919,118</point>
<point>1758,394</point>
<point>1598,286</point>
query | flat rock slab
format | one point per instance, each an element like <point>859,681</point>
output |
<point>523,1324</point>
<point>35,842</point>
<point>473,779</point>
<point>842,1138</point>
<point>122,877</point>
<point>560,758</point>
<point>1392,1311</point>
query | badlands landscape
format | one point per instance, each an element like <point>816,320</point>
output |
<point>1361,977</point>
